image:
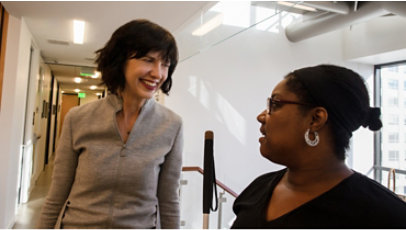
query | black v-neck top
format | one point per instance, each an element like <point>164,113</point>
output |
<point>356,202</point>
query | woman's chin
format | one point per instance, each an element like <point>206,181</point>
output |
<point>264,152</point>
<point>146,95</point>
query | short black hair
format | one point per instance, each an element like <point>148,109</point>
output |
<point>342,92</point>
<point>135,37</point>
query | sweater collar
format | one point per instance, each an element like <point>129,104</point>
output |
<point>117,102</point>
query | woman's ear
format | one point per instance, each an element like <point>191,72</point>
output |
<point>319,118</point>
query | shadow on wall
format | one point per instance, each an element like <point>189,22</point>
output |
<point>225,113</point>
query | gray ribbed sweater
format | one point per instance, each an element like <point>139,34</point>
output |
<point>100,182</point>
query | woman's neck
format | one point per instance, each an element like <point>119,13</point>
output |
<point>131,104</point>
<point>310,176</point>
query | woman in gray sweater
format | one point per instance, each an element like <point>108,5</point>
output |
<point>118,161</point>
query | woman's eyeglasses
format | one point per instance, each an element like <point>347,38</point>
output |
<point>272,104</point>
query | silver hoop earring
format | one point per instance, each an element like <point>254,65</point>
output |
<point>311,143</point>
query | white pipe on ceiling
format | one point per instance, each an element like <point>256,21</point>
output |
<point>369,10</point>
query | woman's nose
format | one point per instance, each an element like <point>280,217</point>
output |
<point>157,70</point>
<point>261,117</point>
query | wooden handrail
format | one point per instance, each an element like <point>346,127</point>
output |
<point>219,183</point>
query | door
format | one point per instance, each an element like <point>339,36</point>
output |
<point>68,101</point>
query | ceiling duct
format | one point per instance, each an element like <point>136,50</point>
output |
<point>335,7</point>
<point>332,21</point>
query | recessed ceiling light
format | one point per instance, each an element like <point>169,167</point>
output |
<point>93,87</point>
<point>77,90</point>
<point>96,74</point>
<point>77,79</point>
<point>78,31</point>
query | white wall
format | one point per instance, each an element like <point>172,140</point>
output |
<point>377,41</point>
<point>42,92</point>
<point>11,115</point>
<point>224,88</point>
<point>29,138</point>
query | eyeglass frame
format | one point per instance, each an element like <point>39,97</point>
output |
<point>270,101</point>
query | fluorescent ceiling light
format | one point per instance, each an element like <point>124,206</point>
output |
<point>297,6</point>
<point>93,87</point>
<point>77,90</point>
<point>78,31</point>
<point>77,79</point>
<point>209,26</point>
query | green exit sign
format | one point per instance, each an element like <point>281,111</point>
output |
<point>81,95</point>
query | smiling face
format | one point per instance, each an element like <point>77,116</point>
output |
<point>283,128</point>
<point>145,75</point>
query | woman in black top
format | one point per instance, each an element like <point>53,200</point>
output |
<point>307,126</point>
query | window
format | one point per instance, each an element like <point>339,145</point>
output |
<point>393,138</point>
<point>393,68</point>
<point>393,155</point>
<point>390,151</point>
<point>392,101</point>
<point>393,119</point>
<point>393,84</point>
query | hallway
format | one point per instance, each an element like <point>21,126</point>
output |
<point>28,213</point>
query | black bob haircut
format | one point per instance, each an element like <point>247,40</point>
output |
<point>135,37</point>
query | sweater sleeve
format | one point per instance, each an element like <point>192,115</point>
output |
<point>62,177</point>
<point>168,184</point>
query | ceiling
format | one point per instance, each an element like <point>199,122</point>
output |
<point>51,24</point>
